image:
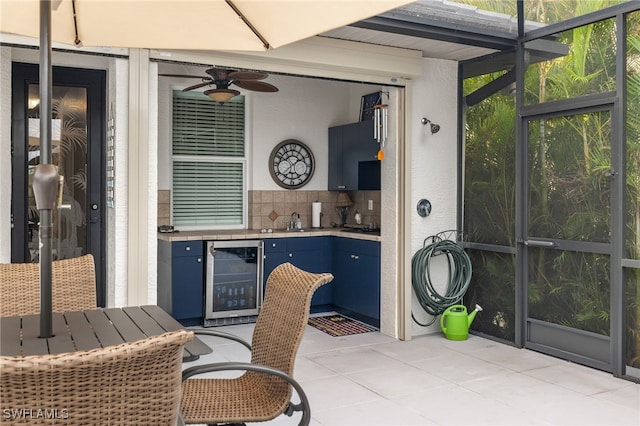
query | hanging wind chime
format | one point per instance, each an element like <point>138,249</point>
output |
<point>380,120</point>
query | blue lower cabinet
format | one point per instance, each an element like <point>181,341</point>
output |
<point>356,268</point>
<point>181,280</point>
<point>275,253</point>
<point>309,253</point>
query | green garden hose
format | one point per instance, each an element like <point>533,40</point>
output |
<point>459,277</point>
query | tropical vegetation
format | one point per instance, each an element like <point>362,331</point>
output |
<point>570,179</point>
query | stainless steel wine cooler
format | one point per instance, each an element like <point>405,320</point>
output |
<point>233,293</point>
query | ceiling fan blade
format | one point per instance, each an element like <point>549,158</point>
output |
<point>181,76</point>
<point>247,75</point>
<point>256,86</point>
<point>196,86</point>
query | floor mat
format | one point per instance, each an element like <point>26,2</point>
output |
<point>337,325</point>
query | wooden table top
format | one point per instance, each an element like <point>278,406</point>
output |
<point>95,328</point>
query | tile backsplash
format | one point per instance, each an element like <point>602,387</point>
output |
<point>273,209</point>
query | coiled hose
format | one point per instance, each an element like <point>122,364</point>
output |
<point>459,277</point>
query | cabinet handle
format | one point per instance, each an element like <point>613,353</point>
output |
<point>199,260</point>
<point>355,257</point>
<point>290,254</point>
<point>187,248</point>
<point>273,244</point>
<point>342,186</point>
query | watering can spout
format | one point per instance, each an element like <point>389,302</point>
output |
<point>472,315</point>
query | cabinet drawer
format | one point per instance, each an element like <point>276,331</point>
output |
<point>371,248</point>
<point>275,245</point>
<point>187,248</point>
<point>307,243</point>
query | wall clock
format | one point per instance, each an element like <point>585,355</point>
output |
<point>291,164</point>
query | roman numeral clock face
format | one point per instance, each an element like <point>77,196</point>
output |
<point>291,164</point>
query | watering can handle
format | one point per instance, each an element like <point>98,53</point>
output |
<point>442,327</point>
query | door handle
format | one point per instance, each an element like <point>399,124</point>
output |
<point>540,243</point>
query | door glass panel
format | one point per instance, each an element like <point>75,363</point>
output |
<point>569,177</point>
<point>69,154</point>
<point>570,288</point>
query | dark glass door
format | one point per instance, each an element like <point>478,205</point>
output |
<point>78,135</point>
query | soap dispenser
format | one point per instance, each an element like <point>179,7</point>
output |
<point>298,222</point>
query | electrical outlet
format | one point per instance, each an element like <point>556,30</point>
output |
<point>370,205</point>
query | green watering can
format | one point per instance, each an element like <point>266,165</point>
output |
<point>455,322</point>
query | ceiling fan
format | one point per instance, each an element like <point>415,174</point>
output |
<point>223,78</point>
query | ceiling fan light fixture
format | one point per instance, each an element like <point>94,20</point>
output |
<point>221,95</point>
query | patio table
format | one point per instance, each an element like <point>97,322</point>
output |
<point>90,329</point>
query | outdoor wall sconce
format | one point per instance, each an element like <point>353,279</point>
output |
<point>435,128</point>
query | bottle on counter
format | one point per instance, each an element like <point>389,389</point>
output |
<point>298,222</point>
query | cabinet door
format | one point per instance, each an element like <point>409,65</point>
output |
<point>369,284</point>
<point>345,288</point>
<point>352,151</point>
<point>335,159</point>
<point>356,266</point>
<point>350,145</point>
<point>275,253</point>
<point>187,278</point>
<point>363,146</point>
<point>313,255</point>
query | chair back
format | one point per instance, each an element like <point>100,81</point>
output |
<point>73,283</point>
<point>131,383</point>
<point>283,318</point>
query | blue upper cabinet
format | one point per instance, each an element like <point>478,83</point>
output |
<point>352,157</point>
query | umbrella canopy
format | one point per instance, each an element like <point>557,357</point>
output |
<point>188,24</point>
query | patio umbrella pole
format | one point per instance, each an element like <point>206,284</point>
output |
<point>45,179</point>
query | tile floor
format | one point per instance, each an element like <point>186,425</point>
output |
<point>370,379</point>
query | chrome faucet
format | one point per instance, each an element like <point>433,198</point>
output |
<point>292,221</point>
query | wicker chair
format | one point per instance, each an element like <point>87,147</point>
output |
<point>264,390</point>
<point>73,283</point>
<point>135,383</point>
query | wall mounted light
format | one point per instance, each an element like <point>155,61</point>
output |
<point>435,128</point>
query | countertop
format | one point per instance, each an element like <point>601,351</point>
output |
<point>257,234</point>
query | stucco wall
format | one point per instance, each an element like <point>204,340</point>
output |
<point>433,163</point>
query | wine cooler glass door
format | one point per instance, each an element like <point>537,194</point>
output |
<point>234,274</point>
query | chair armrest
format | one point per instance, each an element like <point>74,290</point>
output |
<point>223,335</point>
<point>246,366</point>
